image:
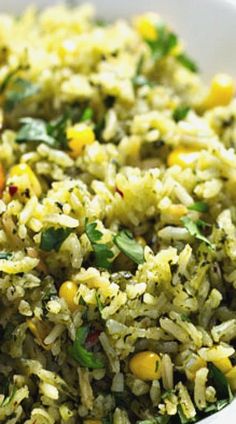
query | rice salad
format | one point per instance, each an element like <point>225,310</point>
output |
<point>117,223</point>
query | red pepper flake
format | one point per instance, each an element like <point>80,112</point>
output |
<point>12,190</point>
<point>120,192</point>
<point>92,338</point>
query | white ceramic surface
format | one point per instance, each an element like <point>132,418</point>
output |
<point>209,30</point>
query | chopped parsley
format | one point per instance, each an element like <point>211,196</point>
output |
<point>194,228</point>
<point>5,255</point>
<point>187,62</point>
<point>180,113</point>
<point>102,251</point>
<point>164,42</point>
<point>79,352</point>
<point>129,246</point>
<point>37,130</point>
<point>199,207</point>
<point>34,130</point>
<point>220,383</point>
<point>21,89</point>
<point>52,238</point>
<point>87,114</point>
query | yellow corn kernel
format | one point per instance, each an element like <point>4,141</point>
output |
<point>224,365</point>
<point>231,377</point>
<point>92,421</point>
<point>24,170</point>
<point>182,156</point>
<point>79,136</point>
<point>68,291</point>
<point>221,92</point>
<point>174,212</point>
<point>40,330</point>
<point>146,27</point>
<point>146,366</point>
<point>194,364</point>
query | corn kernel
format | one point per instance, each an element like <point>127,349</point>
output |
<point>224,365</point>
<point>231,377</point>
<point>2,178</point>
<point>182,156</point>
<point>221,92</point>
<point>40,330</point>
<point>79,136</point>
<point>146,366</point>
<point>24,170</point>
<point>68,291</point>
<point>146,28</point>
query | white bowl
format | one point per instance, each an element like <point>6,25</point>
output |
<point>209,29</point>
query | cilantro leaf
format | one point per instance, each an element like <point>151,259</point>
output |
<point>217,406</point>
<point>102,254</point>
<point>80,354</point>
<point>52,133</point>
<point>52,238</point>
<point>129,246</point>
<point>180,113</point>
<point>34,130</point>
<point>199,207</point>
<point>182,417</point>
<point>21,89</point>
<point>220,383</point>
<point>194,230</point>
<point>101,250</point>
<point>163,44</point>
<point>99,303</point>
<point>5,255</point>
<point>93,234</point>
<point>87,114</point>
<point>187,62</point>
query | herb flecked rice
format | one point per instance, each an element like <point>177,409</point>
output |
<point>117,224</point>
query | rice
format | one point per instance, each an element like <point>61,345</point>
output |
<point>117,223</point>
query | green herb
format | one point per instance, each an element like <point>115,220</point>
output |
<point>187,62</point>
<point>185,318</point>
<point>182,417</point>
<point>129,246</point>
<point>34,130</point>
<point>215,407</point>
<point>56,129</point>
<point>8,399</point>
<point>52,238</point>
<point>80,354</point>
<point>5,255</point>
<point>8,78</point>
<point>102,251</point>
<point>164,43</point>
<point>21,89</point>
<point>168,393</point>
<point>52,133</point>
<point>138,79</point>
<point>99,303</point>
<point>220,383</point>
<point>87,114</point>
<point>180,113</point>
<point>199,207</point>
<point>93,234</point>
<point>194,230</point>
